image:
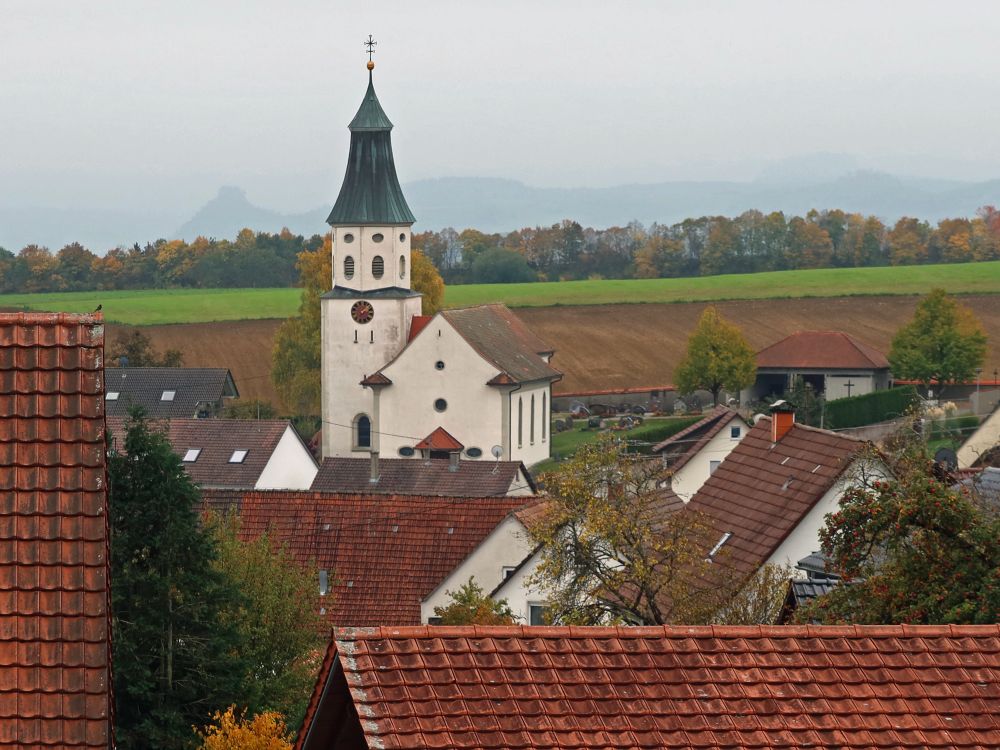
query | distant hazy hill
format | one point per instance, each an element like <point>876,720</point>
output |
<point>496,205</point>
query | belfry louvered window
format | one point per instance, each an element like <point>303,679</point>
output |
<point>348,267</point>
<point>378,267</point>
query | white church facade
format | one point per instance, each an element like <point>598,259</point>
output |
<point>473,383</point>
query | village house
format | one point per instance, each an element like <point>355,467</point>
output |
<point>169,392</point>
<point>694,453</point>
<point>391,376</point>
<point>245,454</point>
<point>834,363</point>
<point>382,559</point>
<point>833,687</point>
<point>55,653</point>
<point>768,500</point>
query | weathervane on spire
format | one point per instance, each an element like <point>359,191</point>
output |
<point>370,44</point>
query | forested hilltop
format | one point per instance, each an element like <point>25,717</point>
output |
<point>753,241</point>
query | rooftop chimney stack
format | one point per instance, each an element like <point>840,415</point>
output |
<point>782,419</point>
<point>374,466</point>
<point>453,461</point>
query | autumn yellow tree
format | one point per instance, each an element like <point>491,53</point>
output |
<point>717,358</point>
<point>229,731</point>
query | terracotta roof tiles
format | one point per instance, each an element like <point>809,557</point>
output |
<point>385,553</point>
<point>54,599</point>
<point>763,489</point>
<point>822,350</point>
<point>439,440</point>
<point>929,687</point>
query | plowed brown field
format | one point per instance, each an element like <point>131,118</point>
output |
<point>602,346</point>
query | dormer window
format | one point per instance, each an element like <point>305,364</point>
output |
<point>238,457</point>
<point>191,455</point>
<point>168,395</point>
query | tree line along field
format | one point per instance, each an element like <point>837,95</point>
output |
<point>169,306</point>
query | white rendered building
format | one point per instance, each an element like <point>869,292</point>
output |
<point>394,380</point>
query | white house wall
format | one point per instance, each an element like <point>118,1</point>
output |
<point>980,441</point>
<point>530,448</point>
<point>692,475</point>
<point>506,546</point>
<point>836,385</point>
<point>291,466</point>
<point>519,593</point>
<point>406,408</point>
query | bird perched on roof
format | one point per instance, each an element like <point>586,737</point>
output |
<point>98,308</point>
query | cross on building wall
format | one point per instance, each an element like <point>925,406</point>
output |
<point>848,385</point>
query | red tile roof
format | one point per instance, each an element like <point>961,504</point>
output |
<point>217,440</point>
<point>821,350</point>
<point>384,553</point>
<point>899,686</point>
<point>502,338</point>
<point>417,324</point>
<point>55,658</point>
<point>439,440</point>
<point>411,476</point>
<point>681,447</point>
<point>762,490</point>
<point>376,379</point>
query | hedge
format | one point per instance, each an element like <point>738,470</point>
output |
<point>871,408</point>
<point>952,427</point>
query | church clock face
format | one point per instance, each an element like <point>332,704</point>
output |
<point>362,312</point>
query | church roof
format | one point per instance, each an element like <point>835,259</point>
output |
<point>370,193</point>
<point>502,339</point>
<point>822,350</point>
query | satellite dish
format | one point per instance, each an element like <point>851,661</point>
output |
<point>947,458</point>
<point>497,451</point>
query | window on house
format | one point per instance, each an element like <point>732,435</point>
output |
<point>377,237</point>
<point>433,620</point>
<point>362,431</point>
<point>520,421</point>
<point>734,432</point>
<point>545,414</point>
<point>112,396</point>
<point>168,395</point>
<point>406,451</point>
<point>473,452</point>
<point>378,267</point>
<point>440,404</point>
<point>238,457</point>
<point>507,571</point>
<point>324,583</point>
<point>712,466</point>
<point>538,614</point>
<point>348,237</point>
<point>191,455</point>
<point>531,421</point>
<point>348,267</point>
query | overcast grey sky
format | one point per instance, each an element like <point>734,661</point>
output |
<point>130,102</point>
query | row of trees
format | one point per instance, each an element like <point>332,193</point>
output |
<point>752,241</point>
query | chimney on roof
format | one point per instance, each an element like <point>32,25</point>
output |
<point>373,479</point>
<point>782,419</point>
<point>453,461</point>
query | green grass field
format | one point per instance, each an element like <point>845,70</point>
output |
<point>151,307</point>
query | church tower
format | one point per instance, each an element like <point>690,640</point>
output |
<point>366,316</point>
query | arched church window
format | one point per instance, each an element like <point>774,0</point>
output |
<point>378,267</point>
<point>520,421</point>
<point>377,237</point>
<point>531,421</point>
<point>402,266</point>
<point>348,267</point>
<point>362,431</point>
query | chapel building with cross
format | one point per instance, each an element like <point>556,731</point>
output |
<point>468,384</point>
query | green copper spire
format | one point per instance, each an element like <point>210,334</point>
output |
<point>370,193</point>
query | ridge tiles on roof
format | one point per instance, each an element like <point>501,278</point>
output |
<point>821,350</point>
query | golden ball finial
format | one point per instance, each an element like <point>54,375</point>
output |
<point>371,65</point>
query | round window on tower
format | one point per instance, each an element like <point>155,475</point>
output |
<point>378,267</point>
<point>402,236</point>
<point>440,405</point>
<point>348,237</point>
<point>377,237</point>
<point>402,266</point>
<point>439,365</point>
<point>348,267</point>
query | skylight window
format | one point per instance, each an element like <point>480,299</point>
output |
<point>238,457</point>
<point>112,396</point>
<point>718,546</point>
<point>168,395</point>
<point>192,455</point>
